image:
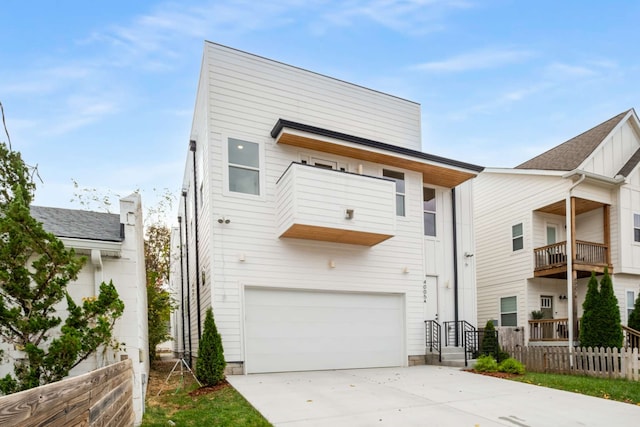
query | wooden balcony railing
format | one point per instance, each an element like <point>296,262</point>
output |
<point>555,255</point>
<point>632,337</point>
<point>549,330</point>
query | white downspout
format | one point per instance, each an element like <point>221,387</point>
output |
<point>96,260</point>
<point>570,265</point>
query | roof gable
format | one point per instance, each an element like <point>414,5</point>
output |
<point>570,154</point>
<point>78,224</point>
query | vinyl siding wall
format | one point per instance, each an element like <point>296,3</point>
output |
<point>502,200</point>
<point>629,204</point>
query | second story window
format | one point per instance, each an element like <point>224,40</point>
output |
<point>398,177</point>
<point>244,167</point>
<point>517,237</point>
<point>636,227</point>
<point>429,209</point>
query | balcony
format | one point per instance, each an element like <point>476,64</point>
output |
<point>334,206</point>
<point>549,330</point>
<point>551,260</point>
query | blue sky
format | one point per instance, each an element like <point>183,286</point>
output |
<point>103,92</point>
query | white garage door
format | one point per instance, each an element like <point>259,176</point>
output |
<point>291,330</point>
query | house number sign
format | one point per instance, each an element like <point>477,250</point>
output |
<point>424,291</point>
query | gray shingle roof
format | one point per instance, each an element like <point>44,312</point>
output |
<point>570,154</point>
<point>631,164</point>
<point>79,224</point>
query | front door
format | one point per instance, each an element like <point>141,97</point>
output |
<point>552,234</point>
<point>546,306</point>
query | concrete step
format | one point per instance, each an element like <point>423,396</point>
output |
<point>451,356</point>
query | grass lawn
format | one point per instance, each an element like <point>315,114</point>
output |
<point>220,406</point>
<point>614,389</point>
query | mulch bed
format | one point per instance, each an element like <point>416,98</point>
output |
<point>503,375</point>
<point>209,389</point>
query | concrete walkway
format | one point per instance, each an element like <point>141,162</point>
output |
<point>421,396</point>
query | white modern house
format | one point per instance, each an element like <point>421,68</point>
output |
<point>313,225</point>
<point>114,247</point>
<point>544,226</point>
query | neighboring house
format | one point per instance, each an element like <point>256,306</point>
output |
<point>313,225</point>
<point>586,192</point>
<point>114,247</point>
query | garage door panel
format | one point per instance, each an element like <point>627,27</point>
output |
<point>304,330</point>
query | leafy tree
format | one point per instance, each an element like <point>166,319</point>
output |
<point>634,318</point>
<point>159,301</point>
<point>600,325</point>
<point>35,269</point>
<point>210,364</point>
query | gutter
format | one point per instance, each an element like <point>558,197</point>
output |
<point>456,315</point>
<point>186,250</point>
<point>192,147</point>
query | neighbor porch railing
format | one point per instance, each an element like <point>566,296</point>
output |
<point>555,255</point>
<point>632,337</point>
<point>549,330</point>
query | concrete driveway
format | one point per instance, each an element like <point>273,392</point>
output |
<point>421,396</point>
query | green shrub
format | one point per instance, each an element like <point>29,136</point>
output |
<point>511,366</point>
<point>210,364</point>
<point>489,340</point>
<point>486,363</point>
<point>634,317</point>
<point>502,355</point>
<point>600,324</point>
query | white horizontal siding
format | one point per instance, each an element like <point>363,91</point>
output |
<point>629,250</point>
<point>242,96</point>
<point>320,198</point>
<point>242,85</point>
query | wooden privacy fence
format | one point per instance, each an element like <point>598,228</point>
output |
<point>96,399</point>
<point>596,362</point>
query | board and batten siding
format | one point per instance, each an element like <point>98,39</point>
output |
<point>613,153</point>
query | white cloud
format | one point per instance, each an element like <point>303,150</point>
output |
<point>79,111</point>
<point>482,59</point>
<point>560,70</point>
<point>406,16</point>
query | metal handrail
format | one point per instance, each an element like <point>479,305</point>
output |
<point>432,337</point>
<point>455,332</point>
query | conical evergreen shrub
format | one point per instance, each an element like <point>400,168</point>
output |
<point>610,330</point>
<point>600,324</point>
<point>490,341</point>
<point>589,322</point>
<point>634,318</point>
<point>210,364</point>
